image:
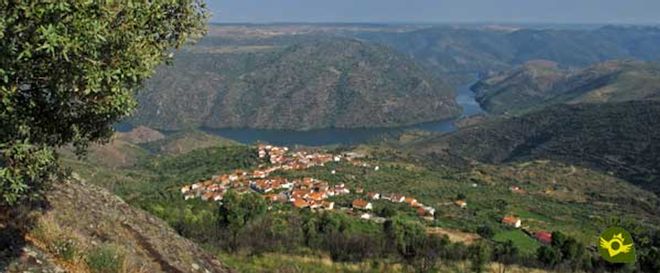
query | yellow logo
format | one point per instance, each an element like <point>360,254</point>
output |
<point>616,245</point>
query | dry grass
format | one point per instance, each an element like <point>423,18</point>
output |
<point>455,236</point>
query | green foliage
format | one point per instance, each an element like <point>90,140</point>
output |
<point>535,86</point>
<point>548,255</point>
<point>105,259</point>
<point>570,250</point>
<point>23,167</point>
<point>325,82</point>
<point>406,236</point>
<point>237,211</point>
<point>66,249</point>
<point>506,253</point>
<point>69,70</point>
<point>521,240</point>
<point>155,187</point>
<point>486,232</point>
<point>621,130</point>
<point>479,255</point>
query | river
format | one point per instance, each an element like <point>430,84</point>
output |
<point>465,98</point>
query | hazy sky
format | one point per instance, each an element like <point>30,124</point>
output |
<point>534,11</point>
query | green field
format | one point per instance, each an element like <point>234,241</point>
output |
<point>525,243</point>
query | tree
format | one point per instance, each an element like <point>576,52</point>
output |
<point>69,70</point>
<point>651,261</point>
<point>558,239</point>
<point>479,255</point>
<point>431,251</point>
<point>506,254</point>
<point>501,204</point>
<point>486,232</point>
<point>388,212</point>
<point>237,211</point>
<point>310,230</point>
<point>407,237</point>
<point>548,255</point>
<point>572,251</point>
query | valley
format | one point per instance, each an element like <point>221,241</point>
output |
<point>353,147</point>
<point>547,196</point>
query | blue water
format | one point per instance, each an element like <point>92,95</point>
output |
<point>465,98</point>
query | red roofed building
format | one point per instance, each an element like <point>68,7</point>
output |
<point>300,203</point>
<point>361,204</point>
<point>543,237</point>
<point>218,196</point>
<point>328,205</point>
<point>397,198</point>
<point>318,196</point>
<point>373,196</point>
<point>270,197</point>
<point>512,221</point>
<point>207,196</point>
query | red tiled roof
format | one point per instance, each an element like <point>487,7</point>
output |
<point>317,196</point>
<point>510,220</point>
<point>300,203</point>
<point>359,203</point>
<point>543,236</point>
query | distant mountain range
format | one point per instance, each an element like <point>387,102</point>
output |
<point>322,83</point>
<point>304,77</point>
<point>539,84</point>
<point>454,50</point>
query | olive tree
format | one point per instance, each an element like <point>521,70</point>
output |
<point>69,70</point>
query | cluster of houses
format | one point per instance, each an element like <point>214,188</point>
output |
<point>313,193</point>
<point>301,193</point>
<point>422,210</point>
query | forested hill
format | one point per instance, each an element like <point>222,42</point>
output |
<point>540,84</point>
<point>621,138</point>
<point>312,84</point>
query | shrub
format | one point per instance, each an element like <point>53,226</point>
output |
<point>106,259</point>
<point>66,249</point>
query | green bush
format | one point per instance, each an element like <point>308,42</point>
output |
<point>106,259</point>
<point>66,249</point>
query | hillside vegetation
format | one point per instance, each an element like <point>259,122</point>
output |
<point>537,85</point>
<point>313,84</point>
<point>578,202</point>
<point>618,138</point>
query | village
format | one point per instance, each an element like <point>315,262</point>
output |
<point>304,193</point>
<point>313,194</point>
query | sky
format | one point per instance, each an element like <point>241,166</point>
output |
<point>438,11</point>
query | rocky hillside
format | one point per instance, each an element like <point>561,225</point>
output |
<point>537,85</point>
<point>86,229</point>
<point>313,84</point>
<point>618,138</point>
